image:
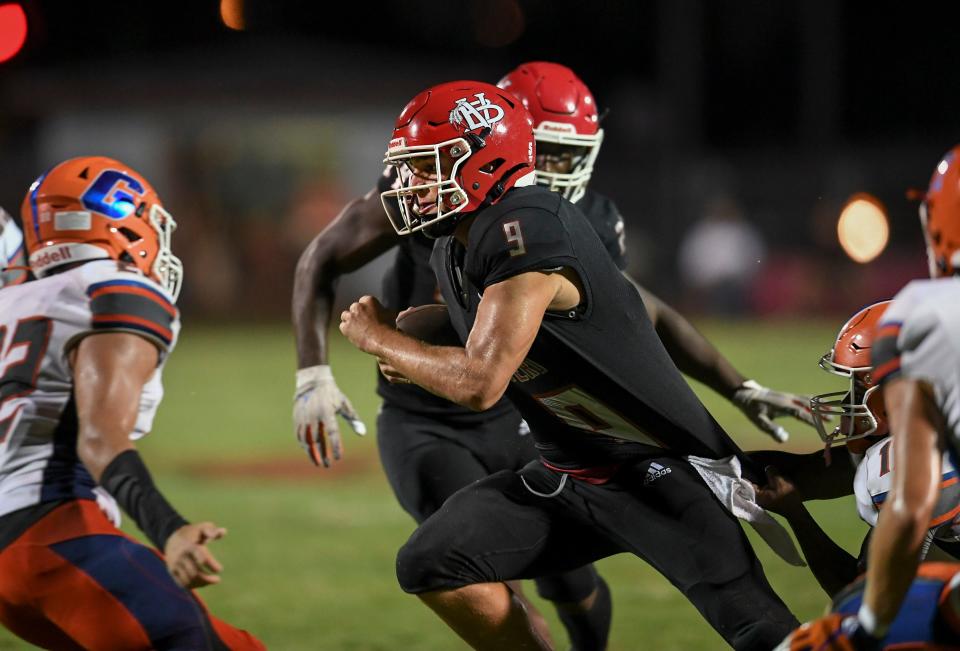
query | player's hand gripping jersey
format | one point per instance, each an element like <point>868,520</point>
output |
<point>919,338</point>
<point>40,324</point>
<point>638,403</point>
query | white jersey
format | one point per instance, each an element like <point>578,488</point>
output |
<point>11,250</point>
<point>40,322</point>
<point>873,482</point>
<point>919,337</point>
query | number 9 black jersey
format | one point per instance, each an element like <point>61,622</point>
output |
<point>411,281</point>
<point>597,386</point>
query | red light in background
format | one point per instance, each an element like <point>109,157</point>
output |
<point>13,30</point>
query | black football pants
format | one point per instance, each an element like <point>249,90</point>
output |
<point>429,458</point>
<point>497,529</point>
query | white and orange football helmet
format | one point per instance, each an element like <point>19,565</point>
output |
<point>940,216</point>
<point>92,208</point>
<point>565,120</point>
<point>860,407</point>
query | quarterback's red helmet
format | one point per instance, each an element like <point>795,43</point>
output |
<point>91,208</point>
<point>860,407</point>
<point>940,216</point>
<point>464,142</point>
<point>565,120</point>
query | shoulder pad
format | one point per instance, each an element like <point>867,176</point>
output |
<point>124,300</point>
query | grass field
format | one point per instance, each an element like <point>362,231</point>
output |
<point>310,553</point>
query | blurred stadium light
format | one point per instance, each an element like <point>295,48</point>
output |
<point>231,12</point>
<point>13,30</point>
<point>863,228</point>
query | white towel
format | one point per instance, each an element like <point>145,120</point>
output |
<point>723,476</point>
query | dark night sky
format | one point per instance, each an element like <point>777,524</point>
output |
<point>895,65</point>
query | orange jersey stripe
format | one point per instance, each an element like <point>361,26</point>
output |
<point>946,517</point>
<point>886,369</point>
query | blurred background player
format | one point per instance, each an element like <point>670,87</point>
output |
<point>81,354</point>
<point>916,358</point>
<point>542,312</point>
<point>431,447</point>
<point>13,262</point>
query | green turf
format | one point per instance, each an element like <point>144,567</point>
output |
<point>309,559</point>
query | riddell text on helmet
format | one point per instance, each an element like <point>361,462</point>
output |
<point>60,254</point>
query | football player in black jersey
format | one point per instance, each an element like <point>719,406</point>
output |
<point>430,447</point>
<point>547,318</point>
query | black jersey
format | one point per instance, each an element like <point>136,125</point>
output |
<point>411,281</point>
<point>606,221</point>
<point>597,386</point>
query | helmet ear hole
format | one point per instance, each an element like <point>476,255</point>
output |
<point>492,166</point>
<point>129,234</point>
<point>141,208</point>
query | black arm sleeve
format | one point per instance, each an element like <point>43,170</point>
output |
<point>127,479</point>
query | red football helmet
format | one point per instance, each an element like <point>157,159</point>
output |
<point>92,208</point>
<point>565,122</point>
<point>940,216</point>
<point>860,407</point>
<point>458,147</point>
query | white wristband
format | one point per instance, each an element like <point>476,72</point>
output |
<point>314,374</point>
<point>868,620</point>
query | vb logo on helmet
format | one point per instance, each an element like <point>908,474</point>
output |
<point>478,114</point>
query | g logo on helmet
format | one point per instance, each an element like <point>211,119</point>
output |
<point>481,113</point>
<point>113,194</point>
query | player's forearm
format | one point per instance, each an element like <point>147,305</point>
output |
<point>127,479</point>
<point>906,515</point>
<point>808,474</point>
<point>894,558</point>
<point>694,355</point>
<point>313,296</point>
<point>447,371</point>
<point>831,565</point>
<point>97,447</point>
<point>105,449</point>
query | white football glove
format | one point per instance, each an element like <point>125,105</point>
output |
<point>761,405</point>
<point>316,404</point>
